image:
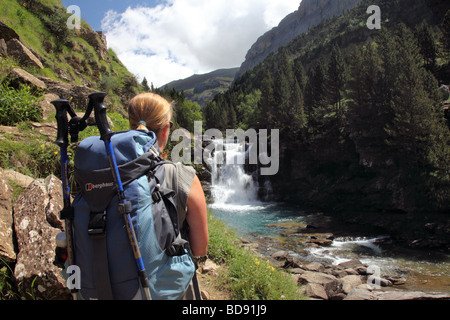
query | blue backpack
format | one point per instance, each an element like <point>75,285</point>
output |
<point>101,246</point>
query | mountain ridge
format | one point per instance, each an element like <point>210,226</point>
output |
<point>202,88</point>
<point>309,14</point>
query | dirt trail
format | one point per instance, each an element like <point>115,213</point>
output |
<point>208,274</point>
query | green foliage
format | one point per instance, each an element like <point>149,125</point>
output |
<point>110,84</point>
<point>8,290</point>
<point>144,85</point>
<point>395,105</point>
<point>18,105</point>
<point>427,45</point>
<point>30,156</point>
<point>446,31</point>
<point>336,78</point>
<point>6,65</point>
<point>247,110</point>
<point>187,113</point>
<point>249,277</point>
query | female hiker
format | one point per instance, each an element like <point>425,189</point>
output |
<point>151,112</point>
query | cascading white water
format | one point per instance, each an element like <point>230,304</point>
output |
<point>231,185</point>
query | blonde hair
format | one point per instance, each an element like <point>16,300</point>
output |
<point>151,108</point>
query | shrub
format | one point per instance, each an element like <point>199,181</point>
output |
<point>18,105</point>
<point>29,155</point>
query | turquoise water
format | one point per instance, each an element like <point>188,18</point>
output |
<point>256,218</point>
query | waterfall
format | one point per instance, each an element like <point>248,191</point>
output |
<point>231,185</point>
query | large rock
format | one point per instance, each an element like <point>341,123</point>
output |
<point>350,282</point>
<point>331,285</point>
<point>360,294</point>
<point>18,76</point>
<point>7,33</point>
<point>77,94</point>
<point>46,106</point>
<point>18,178</point>
<point>316,291</point>
<point>17,50</point>
<point>351,264</point>
<point>36,225</point>
<point>6,220</point>
<point>315,266</point>
<point>97,40</point>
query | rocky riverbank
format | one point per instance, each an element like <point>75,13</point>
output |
<point>323,277</point>
<point>351,280</point>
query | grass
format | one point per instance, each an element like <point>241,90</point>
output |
<point>8,288</point>
<point>248,276</point>
<point>29,155</point>
<point>18,105</point>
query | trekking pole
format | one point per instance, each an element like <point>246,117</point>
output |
<point>62,140</point>
<point>124,208</point>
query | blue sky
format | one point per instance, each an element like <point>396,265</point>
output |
<point>166,40</point>
<point>93,11</point>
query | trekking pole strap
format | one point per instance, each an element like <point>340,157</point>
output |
<point>101,267</point>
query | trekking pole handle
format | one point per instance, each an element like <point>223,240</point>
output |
<point>97,99</point>
<point>62,106</point>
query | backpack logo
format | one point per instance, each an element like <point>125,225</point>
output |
<point>90,186</point>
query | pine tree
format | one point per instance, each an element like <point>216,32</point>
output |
<point>288,112</point>
<point>316,96</point>
<point>145,86</point>
<point>300,74</point>
<point>367,114</point>
<point>427,45</point>
<point>282,93</point>
<point>446,31</point>
<point>296,115</point>
<point>394,113</point>
<point>417,131</point>
<point>336,78</point>
<point>266,103</point>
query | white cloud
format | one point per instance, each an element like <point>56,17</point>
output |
<point>178,38</point>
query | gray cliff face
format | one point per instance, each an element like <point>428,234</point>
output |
<point>309,14</point>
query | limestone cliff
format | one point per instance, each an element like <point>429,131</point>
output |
<point>309,14</point>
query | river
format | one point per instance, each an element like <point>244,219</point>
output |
<point>277,226</point>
